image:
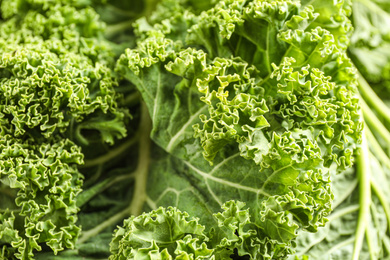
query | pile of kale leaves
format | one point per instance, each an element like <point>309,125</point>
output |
<point>194,129</point>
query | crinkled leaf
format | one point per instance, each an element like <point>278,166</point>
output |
<point>269,124</point>
<point>45,182</point>
<point>160,234</point>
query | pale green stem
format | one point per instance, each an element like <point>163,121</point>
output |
<point>375,124</point>
<point>373,6</point>
<point>110,154</point>
<point>386,244</point>
<point>88,194</point>
<point>372,99</point>
<point>95,176</point>
<point>140,176</point>
<point>382,198</point>
<point>119,179</point>
<point>364,176</point>
<point>99,228</point>
<point>115,29</point>
<point>377,149</point>
<point>344,243</point>
<point>238,45</point>
<point>342,212</point>
<point>150,6</point>
<point>371,247</point>
<point>141,173</point>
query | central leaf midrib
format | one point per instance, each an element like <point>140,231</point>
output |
<point>226,182</point>
<point>174,138</point>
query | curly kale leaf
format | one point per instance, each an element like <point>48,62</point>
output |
<point>56,71</point>
<point>39,183</point>
<point>56,84</point>
<point>158,232</point>
<point>272,104</point>
<point>59,26</point>
<point>169,233</point>
<point>40,90</point>
<point>359,224</point>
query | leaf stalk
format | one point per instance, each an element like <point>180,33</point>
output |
<point>364,176</point>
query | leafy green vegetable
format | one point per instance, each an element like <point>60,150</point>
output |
<point>56,81</point>
<point>236,129</point>
<point>269,118</point>
<point>361,214</point>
